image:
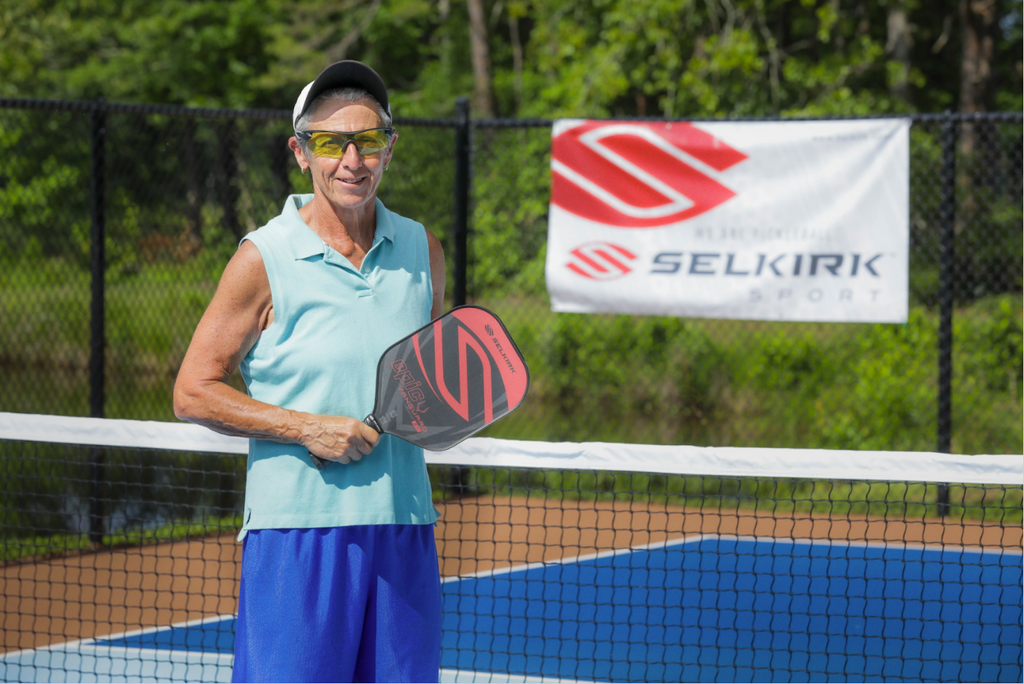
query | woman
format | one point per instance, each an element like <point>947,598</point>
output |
<point>339,569</point>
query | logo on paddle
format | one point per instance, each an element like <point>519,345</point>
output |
<point>449,379</point>
<point>457,355</point>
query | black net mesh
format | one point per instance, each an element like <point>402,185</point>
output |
<point>121,564</point>
<point>102,541</point>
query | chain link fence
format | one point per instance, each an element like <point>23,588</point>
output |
<point>172,190</point>
<point>723,382</point>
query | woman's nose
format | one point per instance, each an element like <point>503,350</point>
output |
<point>350,157</point>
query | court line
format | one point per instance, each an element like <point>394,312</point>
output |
<point>575,559</point>
<point>691,539</point>
<point>450,675</point>
<point>223,659</point>
<point>93,641</point>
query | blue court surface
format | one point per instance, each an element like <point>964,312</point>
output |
<point>709,608</point>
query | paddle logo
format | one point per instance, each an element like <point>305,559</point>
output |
<point>465,342</point>
<point>639,175</point>
<point>450,379</point>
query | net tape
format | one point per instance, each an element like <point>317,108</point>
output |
<point>571,561</point>
<point>835,464</point>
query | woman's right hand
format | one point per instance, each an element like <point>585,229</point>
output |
<point>337,438</point>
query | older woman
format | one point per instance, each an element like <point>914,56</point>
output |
<point>339,568</point>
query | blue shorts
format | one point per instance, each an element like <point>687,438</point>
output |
<point>344,604</point>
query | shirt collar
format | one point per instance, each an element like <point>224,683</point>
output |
<point>385,226</point>
<point>307,243</point>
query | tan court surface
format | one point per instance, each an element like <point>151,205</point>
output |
<point>107,592</point>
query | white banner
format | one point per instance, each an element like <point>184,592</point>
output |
<point>780,220</point>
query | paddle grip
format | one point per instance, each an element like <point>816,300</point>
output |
<point>369,420</point>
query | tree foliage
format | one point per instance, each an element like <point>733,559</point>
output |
<point>675,58</point>
<point>546,58</point>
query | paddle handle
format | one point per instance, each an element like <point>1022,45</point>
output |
<point>370,420</point>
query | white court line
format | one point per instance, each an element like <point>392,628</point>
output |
<point>495,677</point>
<point>156,665</point>
<point>164,658</point>
<point>575,559</point>
<point>692,539</point>
<point>219,659</point>
<point>56,664</point>
<point>164,628</point>
<point>92,641</point>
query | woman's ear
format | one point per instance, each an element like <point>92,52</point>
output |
<point>391,149</point>
<point>300,156</point>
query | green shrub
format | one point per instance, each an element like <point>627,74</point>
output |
<point>628,378</point>
<point>886,398</point>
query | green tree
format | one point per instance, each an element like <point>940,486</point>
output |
<point>678,58</point>
<point>174,52</point>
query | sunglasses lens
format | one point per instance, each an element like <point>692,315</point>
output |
<point>333,145</point>
<point>371,141</point>
<point>327,145</point>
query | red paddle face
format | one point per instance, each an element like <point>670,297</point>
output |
<point>450,379</point>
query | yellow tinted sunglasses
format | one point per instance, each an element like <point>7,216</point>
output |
<point>332,144</point>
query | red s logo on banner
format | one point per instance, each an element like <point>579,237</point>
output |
<point>638,175</point>
<point>601,261</point>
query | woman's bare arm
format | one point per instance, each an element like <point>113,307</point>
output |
<point>438,273</point>
<point>240,311</point>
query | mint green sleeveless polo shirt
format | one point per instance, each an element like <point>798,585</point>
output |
<point>332,322</point>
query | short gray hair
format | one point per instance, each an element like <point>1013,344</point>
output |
<point>342,96</point>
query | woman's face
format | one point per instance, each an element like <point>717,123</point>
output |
<point>350,182</point>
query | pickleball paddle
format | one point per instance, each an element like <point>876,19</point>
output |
<point>448,380</point>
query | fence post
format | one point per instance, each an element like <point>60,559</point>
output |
<point>98,191</point>
<point>946,278</point>
<point>461,210</point>
<point>97,331</point>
